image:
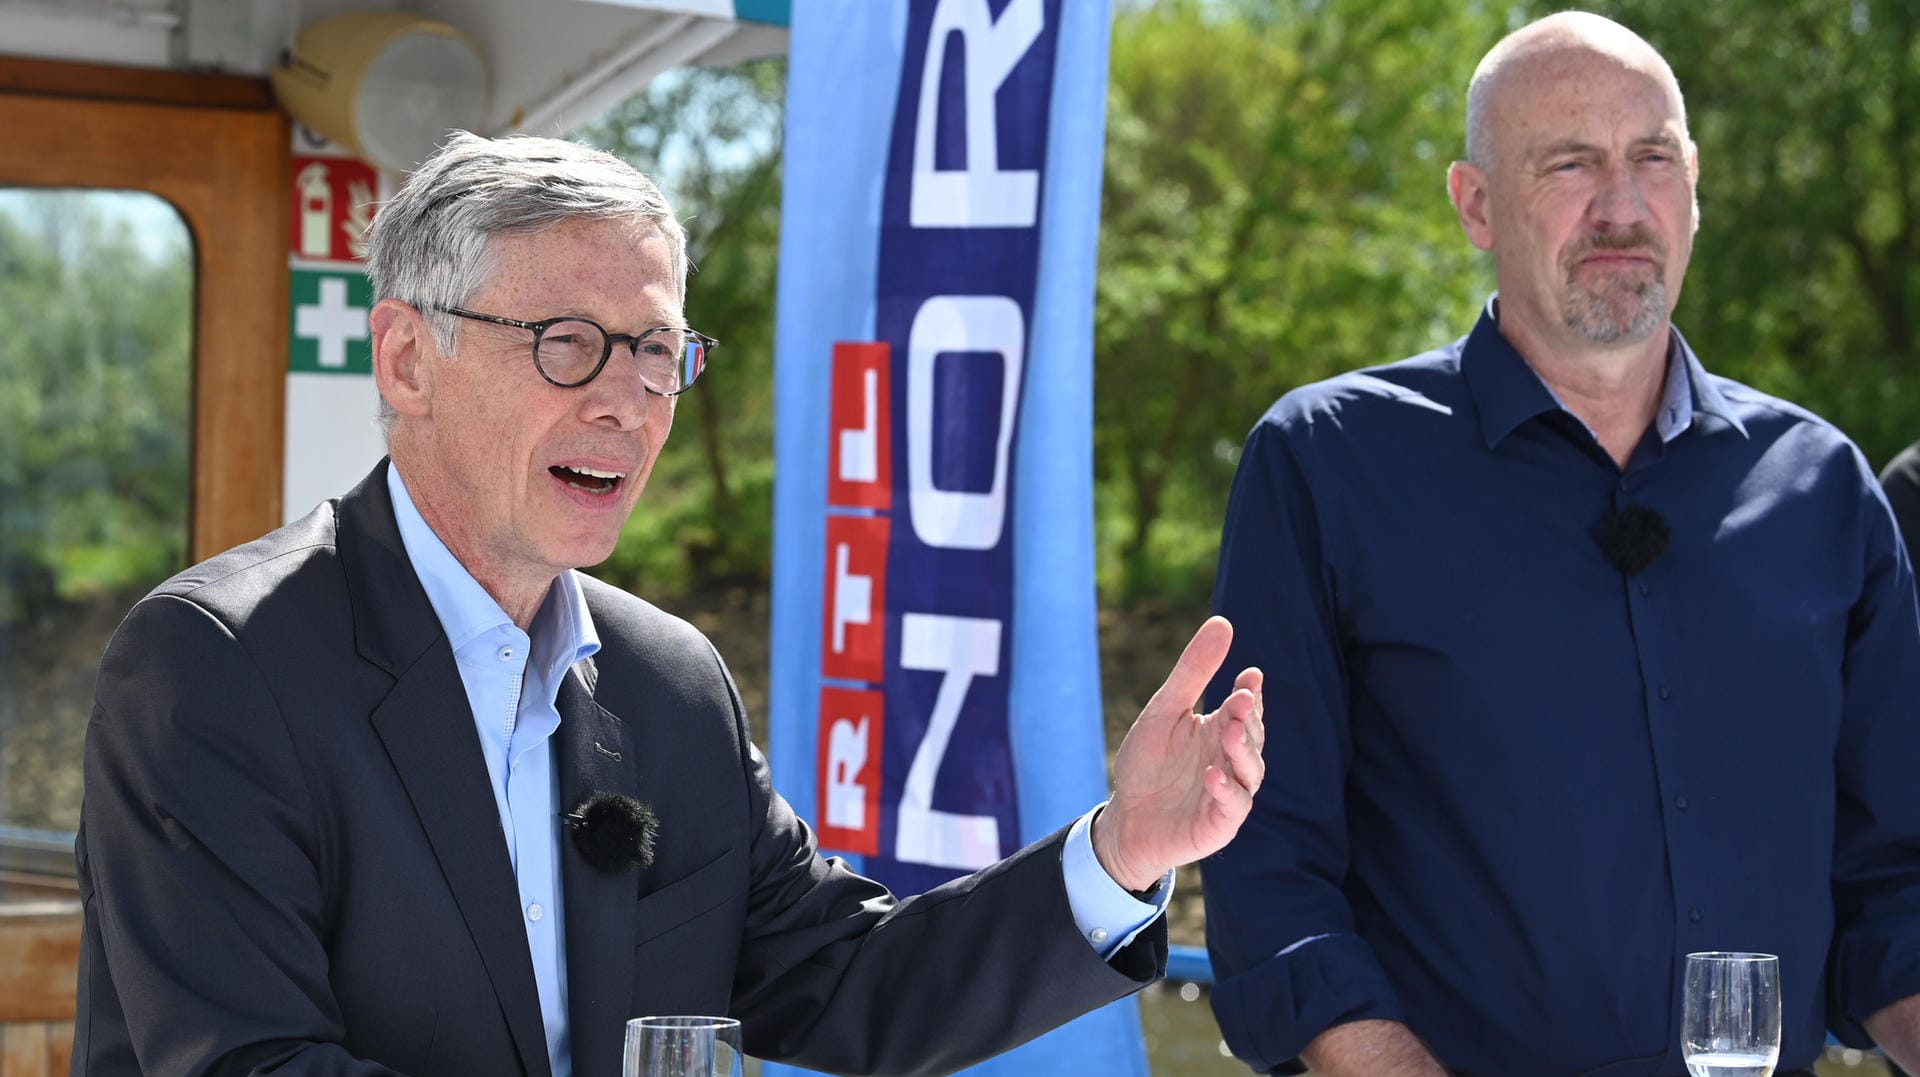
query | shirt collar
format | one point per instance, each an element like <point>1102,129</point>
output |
<point>1707,398</point>
<point>563,630</point>
<point>566,633</point>
<point>1507,391</point>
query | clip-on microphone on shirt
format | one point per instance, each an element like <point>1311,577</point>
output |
<point>613,831</point>
<point>1634,538</point>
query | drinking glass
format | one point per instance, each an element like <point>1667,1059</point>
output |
<point>1730,1017</point>
<point>682,1047</point>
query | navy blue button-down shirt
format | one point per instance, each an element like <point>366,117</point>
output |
<point>1510,786</point>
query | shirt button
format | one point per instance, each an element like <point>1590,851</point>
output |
<point>1645,590</point>
<point>1664,694</point>
<point>1098,934</point>
<point>1680,802</point>
<point>506,654</point>
<point>1693,914</point>
<point>535,912</point>
<point>515,767</point>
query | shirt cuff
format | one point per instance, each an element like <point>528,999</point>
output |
<point>1268,1012</point>
<point>1871,967</point>
<point>1108,916</point>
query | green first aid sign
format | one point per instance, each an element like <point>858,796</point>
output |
<point>329,331</point>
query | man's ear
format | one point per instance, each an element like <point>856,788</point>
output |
<point>1693,181</point>
<point>403,351</point>
<point>1467,186</point>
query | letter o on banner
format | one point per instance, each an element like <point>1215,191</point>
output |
<point>960,519</point>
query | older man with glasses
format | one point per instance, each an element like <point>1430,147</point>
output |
<point>395,789</point>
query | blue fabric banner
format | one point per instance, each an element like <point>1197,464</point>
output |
<point>935,696</point>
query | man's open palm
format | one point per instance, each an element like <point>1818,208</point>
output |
<point>1183,782</point>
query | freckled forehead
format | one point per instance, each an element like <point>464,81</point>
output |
<point>1576,92</point>
<point>619,273</point>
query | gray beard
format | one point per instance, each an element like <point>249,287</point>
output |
<point>1612,317</point>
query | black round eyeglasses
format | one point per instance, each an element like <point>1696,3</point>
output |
<point>571,351</point>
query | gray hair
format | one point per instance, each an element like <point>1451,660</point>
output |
<point>431,244</point>
<point>1479,135</point>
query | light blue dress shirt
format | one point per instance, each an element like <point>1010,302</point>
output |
<point>512,681</point>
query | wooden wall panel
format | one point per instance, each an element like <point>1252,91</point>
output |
<point>36,1049</point>
<point>59,1048</point>
<point>23,1050</point>
<point>39,961</point>
<point>63,78</point>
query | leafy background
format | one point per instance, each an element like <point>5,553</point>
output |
<point>1274,211</point>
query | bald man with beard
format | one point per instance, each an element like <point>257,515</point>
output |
<point>1602,659</point>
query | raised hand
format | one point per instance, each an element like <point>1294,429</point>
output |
<point>1183,782</point>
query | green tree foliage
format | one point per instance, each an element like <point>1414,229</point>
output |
<point>1806,273</point>
<point>1275,212</point>
<point>95,404</point>
<point>712,139</point>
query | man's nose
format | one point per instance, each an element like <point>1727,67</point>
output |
<point>618,397</point>
<point>1619,199</point>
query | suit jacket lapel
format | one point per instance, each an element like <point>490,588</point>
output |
<point>426,725</point>
<point>593,752</point>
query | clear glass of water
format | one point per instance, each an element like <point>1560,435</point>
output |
<point>682,1047</point>
<point>1730,1017</point>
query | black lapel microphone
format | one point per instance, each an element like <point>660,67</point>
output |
<point>1633,538</point>
<point>613,831</point>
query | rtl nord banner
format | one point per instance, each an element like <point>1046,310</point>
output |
<point>935,697</point>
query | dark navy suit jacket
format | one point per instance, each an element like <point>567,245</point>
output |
<point>291,862</point>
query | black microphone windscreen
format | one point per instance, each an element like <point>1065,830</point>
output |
<point>1634,538</point>
<point>614,831</point>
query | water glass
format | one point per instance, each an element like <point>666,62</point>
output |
<point>1730,1015</point>
<point>682,1047</point>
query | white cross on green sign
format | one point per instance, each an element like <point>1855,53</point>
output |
<point>330,322</point>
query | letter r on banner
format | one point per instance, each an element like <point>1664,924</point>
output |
<point>982,194</point>
<point>851,722</point>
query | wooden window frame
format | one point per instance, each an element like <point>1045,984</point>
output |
<point>217,150</point>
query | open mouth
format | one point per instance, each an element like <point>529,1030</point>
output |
<point>586,478</point>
